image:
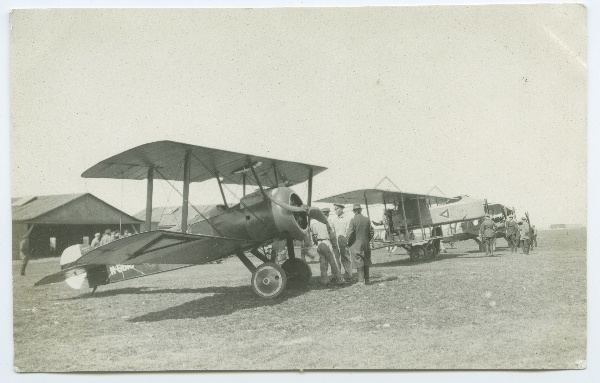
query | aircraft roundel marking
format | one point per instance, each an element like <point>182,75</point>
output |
<point>445,214</point>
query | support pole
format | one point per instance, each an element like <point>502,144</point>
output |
<point>385,218</point>
<point>244,184</point>
<point>221,189</point>
<point>275,171</point>
<point>248,263</point>
<point>406,236</point>
<point>258,181</point>
<point>310,184</point>
<point>290,248</point>
<point>149,191</point>
<point>420,221</point>
<point>186,191</point>
<point>367,206</point>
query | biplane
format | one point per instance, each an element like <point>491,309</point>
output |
<point>271,211</point>
<point>406,213</point>
<point>469,229</point>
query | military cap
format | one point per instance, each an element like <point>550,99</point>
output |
<point>325,210</point>
<point>523,219</point>
<point>356,206</point>
<point>338,205</point>
<point>107,231</point>
<point>97,235</point>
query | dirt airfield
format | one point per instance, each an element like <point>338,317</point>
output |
<point>460,311</point>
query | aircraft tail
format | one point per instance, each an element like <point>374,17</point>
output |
<point>93,275</point>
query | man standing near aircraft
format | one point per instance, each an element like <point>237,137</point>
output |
<point>25,253</point>
<point>525,236</point>
<point>487,232</point>
<point>360,232</point>
<point>322,235</point>
<point>512,229</point>
<point>533,236</point>
<point>340,226</point>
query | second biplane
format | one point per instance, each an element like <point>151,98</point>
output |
<point>406,212</point>
<point>273,211</point>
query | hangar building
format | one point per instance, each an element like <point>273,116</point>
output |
<point>169,217</point>
<point>55,222</point>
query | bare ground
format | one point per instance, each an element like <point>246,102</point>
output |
<point>460,311</point>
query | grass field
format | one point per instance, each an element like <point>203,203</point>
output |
<point>460,311</point>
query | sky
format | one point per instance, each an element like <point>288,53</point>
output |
<point>487,101</point>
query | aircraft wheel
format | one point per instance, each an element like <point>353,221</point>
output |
<point>298,273</point>
<point>430,251</point>
<point>418,253</point>
<point>268,280</point>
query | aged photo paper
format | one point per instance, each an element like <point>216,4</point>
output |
<point>430,105</point>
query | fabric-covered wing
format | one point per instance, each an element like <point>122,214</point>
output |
<point>164,247</point>
<point>167,158</point>
<point>378,196</point>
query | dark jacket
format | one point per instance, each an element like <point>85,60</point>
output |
<point>511,228</point>
<point>359,234</point>
<point>488,228</point>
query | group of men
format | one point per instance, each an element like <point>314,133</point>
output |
<point>519,234</point>
<point>108,237</point>
<point>343,241</point>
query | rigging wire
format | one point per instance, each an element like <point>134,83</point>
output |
<point>193,207</point>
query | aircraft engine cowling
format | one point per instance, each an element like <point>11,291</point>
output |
<point>293,221</point>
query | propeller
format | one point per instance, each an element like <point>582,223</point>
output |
<point>317,214</point>
<point>313,212</point>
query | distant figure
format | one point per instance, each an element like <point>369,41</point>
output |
<point>25,253</point>
<point>322,235</point>
<point>96,241</point>
<point>126,233</point>
<point>106,238</point>
<point>512,230</point>
<point>487,232</point>
<point>533,236</point>
<point>340,224</point>
<point>116,235</point>
<point>386,230</point>
<point>525,236</point>
<point>360,232</point>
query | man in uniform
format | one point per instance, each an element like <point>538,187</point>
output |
<point>25,253</point>
<point>487,232</point>
<point>360,232</point>
<point>512,228</point>
<point>339,224</point>
<point>322,238</point>
<point>533,236</point>
<point>525,236</point>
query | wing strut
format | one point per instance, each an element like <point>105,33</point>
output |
<point>186,190</point>
<point>149,190</point>
<point>221,189</point>
<point>420,222</point>
<point>257,180</point>
<point>407,237</point>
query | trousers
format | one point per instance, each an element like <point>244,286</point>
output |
<point>489,245</point>
<point>326,259</point>
<point>525,246</point>
<point>346,261</point>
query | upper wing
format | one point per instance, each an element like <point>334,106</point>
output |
<point>167,158</point>
<point>379,196</point>
<point>164,247</point>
